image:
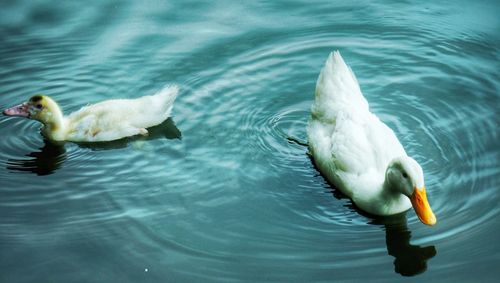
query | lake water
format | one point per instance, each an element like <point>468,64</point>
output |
<point>224,190</point>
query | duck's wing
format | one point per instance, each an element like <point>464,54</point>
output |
<point>91,125</point>
<point>353,154</point>
<point>81,127</point>
<point>342,151</point>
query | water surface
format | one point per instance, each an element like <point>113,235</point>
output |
<point>224,189</point>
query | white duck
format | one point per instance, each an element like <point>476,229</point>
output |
<point>104,121</point>
<point>357,152</point>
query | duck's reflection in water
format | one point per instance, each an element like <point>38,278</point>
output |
<point>43,162</point>
<point>409,259</point>
<point>52,155</point>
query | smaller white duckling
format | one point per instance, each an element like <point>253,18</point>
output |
<point>104,121</point>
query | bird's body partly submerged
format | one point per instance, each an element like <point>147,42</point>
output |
<point>357,152</point>
<point>104,121</point>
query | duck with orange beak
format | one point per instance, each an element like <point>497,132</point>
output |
<point>358,153</point>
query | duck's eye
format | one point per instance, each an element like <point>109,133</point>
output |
<point>39,106</point>
<point>405,175</point>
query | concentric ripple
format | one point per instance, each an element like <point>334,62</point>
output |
<point>225,189</point>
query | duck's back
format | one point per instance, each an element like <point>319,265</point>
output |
<point>349,144</point>
<point>118,118</point>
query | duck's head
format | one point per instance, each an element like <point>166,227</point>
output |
<point>39,107</point>
<point>404,175</point>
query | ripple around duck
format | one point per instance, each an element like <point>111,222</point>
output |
<point>266,127</point>
<point>239,189</point>
<point>256,120</point>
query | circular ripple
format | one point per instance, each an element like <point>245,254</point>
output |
<point>239,186</point>
<point>257,121</point>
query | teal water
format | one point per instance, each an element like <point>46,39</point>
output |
<point>223,191</point>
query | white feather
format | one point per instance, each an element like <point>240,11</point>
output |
<point>118,118</point>
<point>349,144</point>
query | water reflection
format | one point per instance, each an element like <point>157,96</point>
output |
<point>52,155</point>
<point>45,161</point>
<point>409,259</point>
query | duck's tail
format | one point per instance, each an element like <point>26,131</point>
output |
<point>164,100</point>
<point>337,88</point>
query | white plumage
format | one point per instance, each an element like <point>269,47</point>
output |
<point>353,149</point>
<point>104,121</point>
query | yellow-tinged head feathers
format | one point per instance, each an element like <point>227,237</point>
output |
<point>41,108</point>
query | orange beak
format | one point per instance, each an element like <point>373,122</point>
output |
<point>422,207</point>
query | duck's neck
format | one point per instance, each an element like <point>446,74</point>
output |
<point>388,188</point>
<point>54,125</point>
<point>395,201</point>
